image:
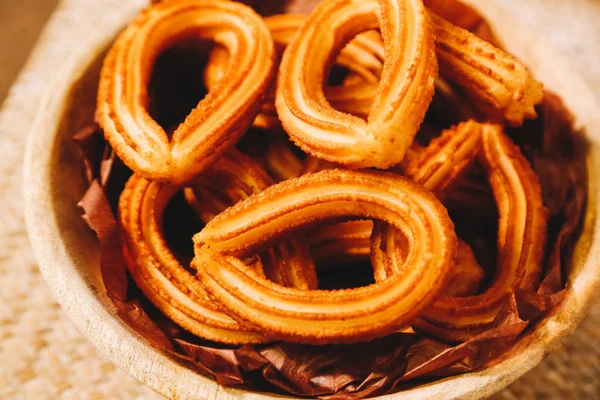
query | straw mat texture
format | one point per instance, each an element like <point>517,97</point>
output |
<point>43,356</point>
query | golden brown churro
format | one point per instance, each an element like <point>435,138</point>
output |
<point>269,226</point>
<point>166,282</point>
<point>316,316</point>
<point>521,242</point>
<point>362,57</point>
<point>218,121</point>
<point>437,168</point>
<point>521,236</point>
<point>502,87</point>
<point>156,271</point>
<point>404,93</point>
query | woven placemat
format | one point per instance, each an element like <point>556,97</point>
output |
<point>43,356</point>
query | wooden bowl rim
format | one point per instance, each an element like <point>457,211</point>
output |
<point>168,377</point>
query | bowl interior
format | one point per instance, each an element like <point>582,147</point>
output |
<point>68,251</point>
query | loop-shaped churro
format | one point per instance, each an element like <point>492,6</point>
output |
<point>362,57</point>
<point>317,316</point>
<point>521,242</point>
<point>220,118</point>
<point>404,93</point>
<point>156,271</point>
<point>168,285</point>
<point>500,86</point>
<point>521,236</point>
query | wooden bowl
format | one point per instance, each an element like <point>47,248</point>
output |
<point>68,252</point>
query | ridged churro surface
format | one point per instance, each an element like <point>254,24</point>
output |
<point>317,316</point>
<point>218,121</point>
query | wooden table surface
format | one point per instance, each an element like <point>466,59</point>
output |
<point>43,356</point>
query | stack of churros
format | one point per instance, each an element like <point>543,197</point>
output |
<point>342,174</point>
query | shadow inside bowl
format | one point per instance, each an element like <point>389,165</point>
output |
<point>68,182</point>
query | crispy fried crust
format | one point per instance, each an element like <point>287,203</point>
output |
<point>233,179</point>
<point>502,87</point>
<point>521,241</point>
<point>220,118</point>
<point>403,96</point>
<point>156,271</point>
<point>170,287</point>
<point>363,57</point>
<point>316,316</point>
<point>443,164</point>
<point>437,168</point>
